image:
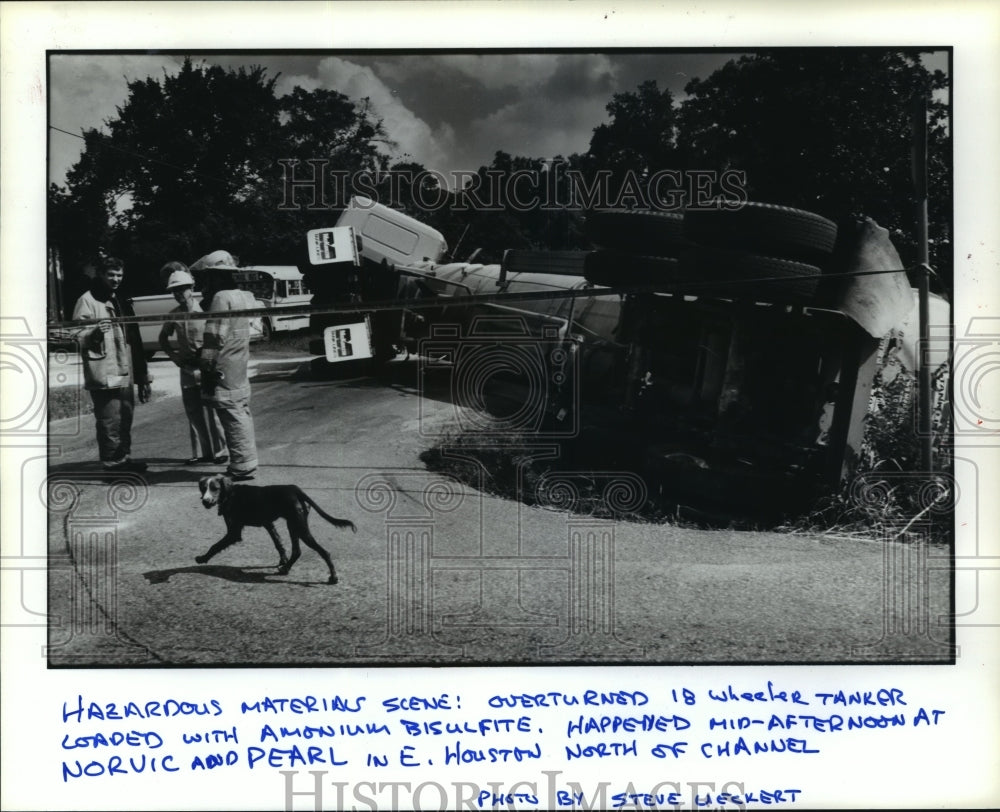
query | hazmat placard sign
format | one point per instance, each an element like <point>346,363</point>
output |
<point>348,342</point>
<point>329,246</point>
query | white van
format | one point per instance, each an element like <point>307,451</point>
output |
<point>391,235</point>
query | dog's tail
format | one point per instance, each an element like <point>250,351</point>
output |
<point>341,523</point>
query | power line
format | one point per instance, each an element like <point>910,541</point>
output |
<point>140,155</point>
<point>676,286</point>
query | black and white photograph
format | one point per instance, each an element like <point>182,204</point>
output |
<point>599,421</point>
<point>566,341</point>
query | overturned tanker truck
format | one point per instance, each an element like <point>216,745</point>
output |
<point>736,348</point>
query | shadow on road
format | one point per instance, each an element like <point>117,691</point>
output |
<point>172,470</point>
<point>279,373</point>
<point>403,375</point>
<point>248,575</point>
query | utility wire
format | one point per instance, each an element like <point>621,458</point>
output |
<point>141,155</point>
<point>676,286</point>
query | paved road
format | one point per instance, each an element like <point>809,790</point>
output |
<point>438,572</point>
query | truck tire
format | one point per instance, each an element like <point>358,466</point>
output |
<point>733,274</point>
<point>267,330</point>
<point>616,269</point>
<point>765,229</point>
<point>638,231</point>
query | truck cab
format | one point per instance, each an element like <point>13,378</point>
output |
<point>390,235</point>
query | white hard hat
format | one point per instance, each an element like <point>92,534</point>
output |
<point>222,260</point>
<point>179,279</point>
<point>169,268</point>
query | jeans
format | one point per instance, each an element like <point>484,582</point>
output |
<point>237,423</point>
<point>113,410</point>
<point>207,436</point>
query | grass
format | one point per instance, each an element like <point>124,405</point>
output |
<point>597,473</point>
<point>297,340</point>
<point>890,497</point>
<point>881,504</point>
<point>73,401</point>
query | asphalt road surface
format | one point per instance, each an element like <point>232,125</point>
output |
<point>438,572</point>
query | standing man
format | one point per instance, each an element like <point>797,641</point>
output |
<point>113,363</point>
<point>225,355</point>
<point>208,443</point>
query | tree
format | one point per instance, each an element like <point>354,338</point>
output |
<point>177,173</point>
<point>515,202</point>
<point>640,136</point>
<point>827,130</point>
<point>190,164</point>
<point>627,151</point>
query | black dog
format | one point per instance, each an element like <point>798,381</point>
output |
<point>247,505</point>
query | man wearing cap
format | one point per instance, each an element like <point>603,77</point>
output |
<point>208,442</point>
<point>225,356</point>
<point>113,363</point>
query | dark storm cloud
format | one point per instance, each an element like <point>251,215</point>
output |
<point>581,75</point>
<point>448,111</point>
<point>670,69</point>
<point>536,104</point>
<point>438,88</point>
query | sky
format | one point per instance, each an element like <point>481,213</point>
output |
<point>448,111</point>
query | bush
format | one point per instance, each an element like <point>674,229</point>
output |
<point>890,496</point>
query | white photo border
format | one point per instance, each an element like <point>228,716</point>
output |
<point>960,770</point>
